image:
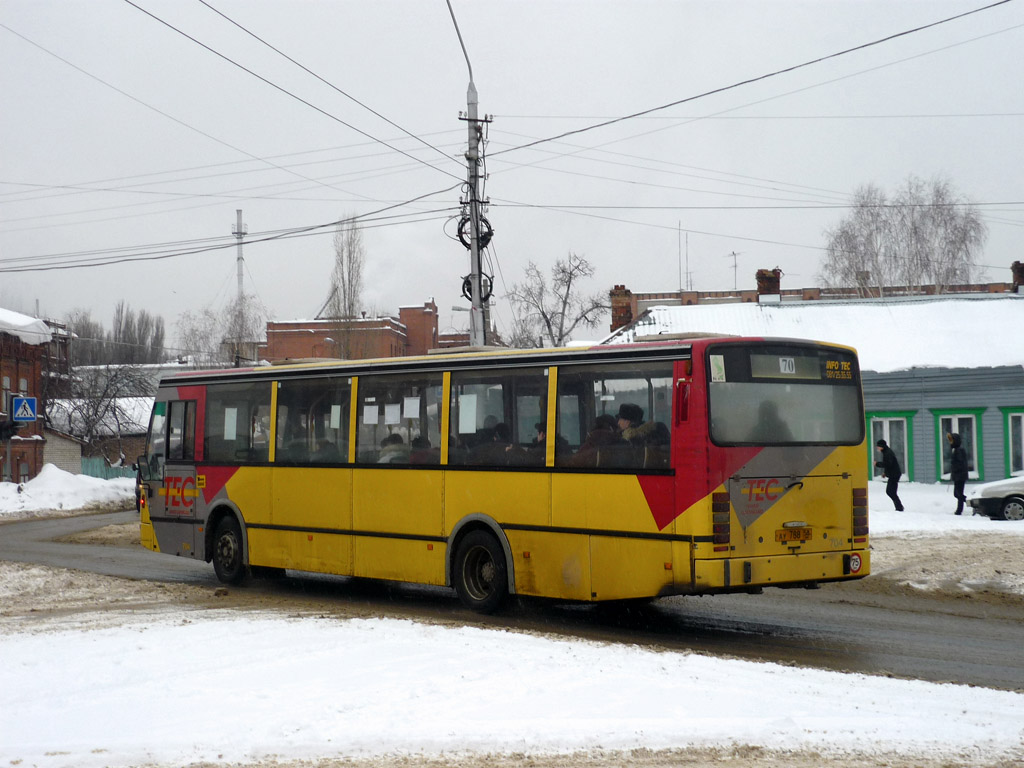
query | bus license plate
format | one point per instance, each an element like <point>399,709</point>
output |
<point>793,534</point>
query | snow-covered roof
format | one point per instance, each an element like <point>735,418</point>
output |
<point>28,329</point>
<point>131,416</point>
<point>889,334</point>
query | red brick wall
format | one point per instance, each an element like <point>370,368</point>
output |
<point>18,361</point>
<point>421,327</point>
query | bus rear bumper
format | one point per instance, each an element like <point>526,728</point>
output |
<point>745,573</point>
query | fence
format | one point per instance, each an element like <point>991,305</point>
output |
<point>96,466</point>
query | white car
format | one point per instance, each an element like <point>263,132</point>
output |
<point>1000,500</point>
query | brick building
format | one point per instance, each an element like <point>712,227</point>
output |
<point>24,342</point>
<point>413,332</point>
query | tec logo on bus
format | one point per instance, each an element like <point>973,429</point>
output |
<point>180,494</point>
<point>759,489</point>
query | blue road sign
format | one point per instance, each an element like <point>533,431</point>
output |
<point>24,408</point>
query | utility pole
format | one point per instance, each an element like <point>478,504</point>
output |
<point>239,230</point>
<point>477,319</point>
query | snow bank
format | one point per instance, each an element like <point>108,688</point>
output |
<point>54,490</point>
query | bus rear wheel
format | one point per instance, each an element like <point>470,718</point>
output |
<point>228,562</point>
<point>481,573</point>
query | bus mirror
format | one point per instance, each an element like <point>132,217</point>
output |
<point>142,467</point>
<point>682,401</point>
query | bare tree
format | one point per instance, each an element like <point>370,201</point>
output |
<point>925,234</point>
<point>346,296</point>
<point>243,322</point>
<point>102,405</point>
<point>549,312</point>
<point>199,335</point>
<point>135,337</point>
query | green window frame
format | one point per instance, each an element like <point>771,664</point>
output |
<point>1013,440</point>
<point>872,455</point>
<point>978,457</point>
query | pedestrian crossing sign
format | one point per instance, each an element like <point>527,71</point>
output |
<point>24,408</point>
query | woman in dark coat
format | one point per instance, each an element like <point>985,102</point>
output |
<point>891,471</point>
<point>958,469</point>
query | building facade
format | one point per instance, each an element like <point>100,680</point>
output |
<point>23,344</point>
<point>413,332</point>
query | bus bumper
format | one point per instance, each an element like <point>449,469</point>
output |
<point>742,573</point>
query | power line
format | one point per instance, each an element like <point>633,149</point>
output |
<point>816,207</point>
<point>173,253</point>
<point>287,92</point>
<point>329,84</point>
<point>722,116</point>
<point>161,112</point>
<point>756,79</point>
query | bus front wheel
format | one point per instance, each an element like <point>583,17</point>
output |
<point>481,573</point>
<point>228,562</point>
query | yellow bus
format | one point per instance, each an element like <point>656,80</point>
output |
<point>593,474</point>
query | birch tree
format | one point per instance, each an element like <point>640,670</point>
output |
<point>925,234</point>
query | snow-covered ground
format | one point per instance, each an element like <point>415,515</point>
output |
<point>179,687</point>
<point>56,492</point>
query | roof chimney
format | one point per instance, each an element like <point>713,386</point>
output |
<point>768,283</point>
<point>622,307</point>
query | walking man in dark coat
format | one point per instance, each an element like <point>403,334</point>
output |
<point>891,471</point>
<point>957,469</point>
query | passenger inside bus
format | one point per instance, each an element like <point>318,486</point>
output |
<point>770,428</point>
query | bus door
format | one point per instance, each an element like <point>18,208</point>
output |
<point>170,477</point>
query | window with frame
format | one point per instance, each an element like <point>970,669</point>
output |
<point>237,423</point>
<point>181,436</point>
<point>497,417</point>
<point>1014,425</point>
<point>313,421</point>
<point>964,425</point>
<point>895,432</point>
<point>399,419</point>
<point>591,400</point>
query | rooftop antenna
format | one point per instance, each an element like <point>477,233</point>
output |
<point>734,255</point>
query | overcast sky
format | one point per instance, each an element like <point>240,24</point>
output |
<point>121,137</point>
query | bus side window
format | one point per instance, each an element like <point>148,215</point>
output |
<point>399,419</point>
<point>617,414</point>
<point>495,416</point>
<point>313,421</point>
<point>237,423</point>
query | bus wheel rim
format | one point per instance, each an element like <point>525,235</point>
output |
<point>479,573</point>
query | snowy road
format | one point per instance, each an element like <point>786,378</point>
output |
<point>872,627</point>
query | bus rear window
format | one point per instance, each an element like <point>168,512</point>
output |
<point>784,395</point>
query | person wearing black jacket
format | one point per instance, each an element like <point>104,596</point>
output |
<point>892,472</point>
<point>957,469</point>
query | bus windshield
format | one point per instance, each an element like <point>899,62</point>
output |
<point>782,394</point>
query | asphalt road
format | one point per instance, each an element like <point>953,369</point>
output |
<point>845,627</point>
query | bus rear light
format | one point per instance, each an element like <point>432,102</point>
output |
<point>720,520</point>
<point>860,513</point>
